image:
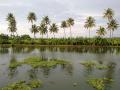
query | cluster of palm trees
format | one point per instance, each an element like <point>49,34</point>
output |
<point>46,26</point>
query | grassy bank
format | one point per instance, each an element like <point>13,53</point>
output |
<point>26,40</point>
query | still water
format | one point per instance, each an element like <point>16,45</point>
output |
<point>61,77</point>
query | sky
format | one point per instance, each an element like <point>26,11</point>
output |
<point>58,10</point>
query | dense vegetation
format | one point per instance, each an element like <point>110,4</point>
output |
<point>25,39</point>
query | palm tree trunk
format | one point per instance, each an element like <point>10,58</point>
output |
<point>89,33</point>
<point>34,36</point>
<point>16,33</point>
<point>70,33</point>
<point>47,34</point>
<point>110,33</point>
<point>64,34</point>
<point>54,35</point>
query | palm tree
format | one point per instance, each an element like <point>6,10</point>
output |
<point>112,25</point>
<point>101,31</point>
<point>42,29</point>
<point>34,30</point>
<point>90,23</point>
<point>32,17</point>
<point>46,21</point>
<point>11,24</point>
<point>64,25</point>
<point>70,22</point>
<point>108,14</point>
<point>54,29</point>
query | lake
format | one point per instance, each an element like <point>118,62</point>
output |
<point>73,76</point>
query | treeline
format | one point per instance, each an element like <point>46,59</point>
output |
<point>46,25</point>
<point>26,39</point>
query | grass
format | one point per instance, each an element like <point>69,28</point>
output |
<point>99,84</point>
<point>36,62</point>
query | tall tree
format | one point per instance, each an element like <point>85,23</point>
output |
<point>42,29</point>
<point>46,21</point>
<point>32,17</point>
<point>64,25</point>
<point>101,31</point>
<point>34,30</point>
<point>90,23</point>
<point>54,29</point>
<point>70,23</point>
<point>11,24</point>
<point>112,25</point>
<point>109,14</point>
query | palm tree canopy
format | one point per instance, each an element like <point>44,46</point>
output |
<point>34,29</point>
<point>109,13</point>
<point>90,22</point>
<point>54,28</point>
<point>43,28</point>
<point>101,31</point>
<point>70,22</point>
<point>112,25</point>
<point>12,22</point>
<point>63,24</point>
<point>9,17</point>
<point>46,20</point>
<point>31,17</point>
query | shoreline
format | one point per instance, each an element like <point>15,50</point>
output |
<point>36,45</point>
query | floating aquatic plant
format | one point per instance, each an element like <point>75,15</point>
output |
<point>99,84</point>
<point>102,67</point>
<point>35,83</point>
<point>36,62</point>
<point>22,85</point>
<point>17,86</point>
<point>88,64</point>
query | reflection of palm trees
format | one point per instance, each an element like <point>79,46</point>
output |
<point>3,50</point>
<point>33,73</point>
<point>12,71</point>
<point>110,74</point>
<point>46,71</point>
<point>68,68</point>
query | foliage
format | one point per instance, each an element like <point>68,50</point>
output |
<point>99,84</point>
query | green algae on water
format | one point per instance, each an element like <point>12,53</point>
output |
<point>36,62</point>
<point>22,85</point>
<point>99,84</point>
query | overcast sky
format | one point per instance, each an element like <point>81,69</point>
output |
<point>57,10</point>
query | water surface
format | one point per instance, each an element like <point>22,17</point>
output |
<point>61,77</point>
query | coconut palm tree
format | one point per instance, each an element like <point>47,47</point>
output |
<point>90,23</point>
<point>32,17</point>
<point>70,22</point>
<point>54,29</point>
<point>101,31</point>
<point>112,25</point>
<point>42,29</point>
<point>34,30</point>
<point>108,14</point>
<point>11,24</point>
<point>46,21</point>
<point>64,25</point>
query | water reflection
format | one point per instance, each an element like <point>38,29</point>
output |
<point>12,72</point>
<point>28,49</point>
